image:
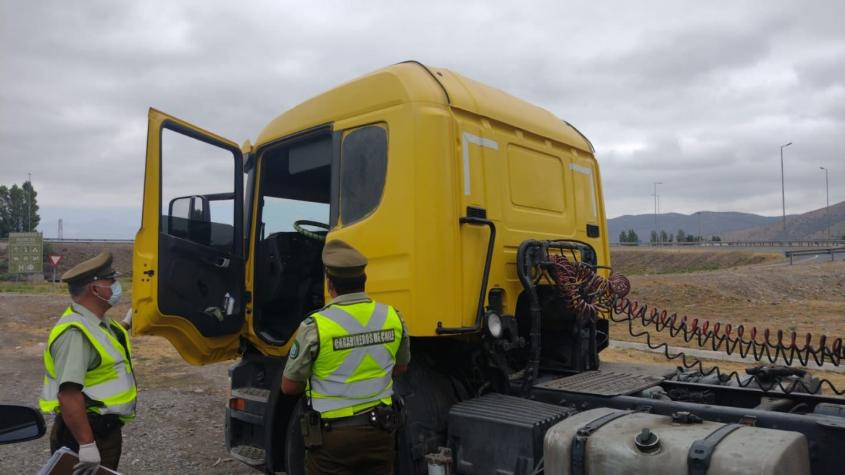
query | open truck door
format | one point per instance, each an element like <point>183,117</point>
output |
<point>188,263</point>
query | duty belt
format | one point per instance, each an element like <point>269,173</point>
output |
<point>363,419</point>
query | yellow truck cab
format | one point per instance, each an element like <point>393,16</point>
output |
<point>438,179</point>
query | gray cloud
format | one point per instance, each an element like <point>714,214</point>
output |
<point>694,95</point>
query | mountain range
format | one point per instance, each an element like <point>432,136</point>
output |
<point>734,226</point>
<point>122,223</point>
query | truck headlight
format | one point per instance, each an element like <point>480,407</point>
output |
<point>494,325</point>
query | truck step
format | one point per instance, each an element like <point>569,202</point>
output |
<point>248,454</point>
<point>252,394</point>
<point>603,383</point>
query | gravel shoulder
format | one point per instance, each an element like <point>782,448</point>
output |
<point>181,408</point>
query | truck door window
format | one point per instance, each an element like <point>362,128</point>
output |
<point>363,166</point>
<point>197,192</point>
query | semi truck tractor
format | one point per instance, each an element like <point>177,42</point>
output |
<point>483,220</point>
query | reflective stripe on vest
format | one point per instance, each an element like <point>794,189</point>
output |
<point>355,362</point>
<point>111,383</point>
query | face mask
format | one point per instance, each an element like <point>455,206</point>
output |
<point>116,290</point>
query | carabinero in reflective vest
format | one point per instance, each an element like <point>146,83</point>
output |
<point>111,383</point>
<point>358,346</point>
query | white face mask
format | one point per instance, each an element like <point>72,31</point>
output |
<point>116,291</point>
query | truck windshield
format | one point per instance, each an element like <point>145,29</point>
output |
<point>279,214</point>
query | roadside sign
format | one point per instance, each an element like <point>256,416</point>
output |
<point>55,259</point>
<point>26,253</point>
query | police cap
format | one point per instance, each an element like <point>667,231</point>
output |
<point>343,260</point>
<point>96,268</point>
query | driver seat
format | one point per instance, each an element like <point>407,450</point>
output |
<point>273,269</point>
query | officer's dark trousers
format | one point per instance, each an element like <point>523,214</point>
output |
<point>107,434</point>
<point>353,450</point>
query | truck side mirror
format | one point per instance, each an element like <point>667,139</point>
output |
<point>20,423</point>
<point>189,217</point>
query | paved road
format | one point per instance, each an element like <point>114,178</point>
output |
<point>818,258</point>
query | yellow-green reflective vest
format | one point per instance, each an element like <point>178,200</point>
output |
<point>112,382</point>
<point>354,366</point>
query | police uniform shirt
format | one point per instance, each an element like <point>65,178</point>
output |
<point>73,355</point>
<point>305,348</point>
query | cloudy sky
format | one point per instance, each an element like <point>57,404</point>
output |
<point>696,95</point>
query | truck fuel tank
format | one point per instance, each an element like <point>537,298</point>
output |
<point>605,440</point>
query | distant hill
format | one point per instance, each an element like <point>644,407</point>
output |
<point>710,223</point>
<point>810,225</point>
<point>733,226</point>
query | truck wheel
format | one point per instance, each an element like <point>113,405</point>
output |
<point>294,447</point>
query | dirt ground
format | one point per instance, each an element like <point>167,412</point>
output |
<point>750,288</point>
<point>672,260</point>
<point>807,298</point>
<point>181,408</point>
<point>179,428</point>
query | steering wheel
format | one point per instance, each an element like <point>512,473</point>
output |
<point>319,235</point>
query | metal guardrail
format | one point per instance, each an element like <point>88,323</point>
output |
<point>770,243</point>
<point>814,252</point>
<point>782,243</point>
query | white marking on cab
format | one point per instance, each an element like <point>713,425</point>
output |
<point>589,172</point>
<point>466,139</point>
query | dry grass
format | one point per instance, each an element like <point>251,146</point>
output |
<point>639,261</point>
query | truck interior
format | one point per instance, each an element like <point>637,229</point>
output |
<point>295,183</point>
<point>308,184</point>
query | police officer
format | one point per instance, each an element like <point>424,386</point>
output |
<point>344,357</point>
<point>88,380</point>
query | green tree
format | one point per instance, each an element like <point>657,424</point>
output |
<point>16,204</point>
<point>681,236</point>
<point>632,236</point>
<point>30,217</point>
<point>18,209</point>
<point>654,237</point>
<point>623,236</point>
<point>664,237</point>
<point>5,214</point>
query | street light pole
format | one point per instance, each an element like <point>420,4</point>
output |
<point>827,200</point>
<point>656,232</point>
<point>699,227</point>
<point>29,204</point>
<point>782,188</point>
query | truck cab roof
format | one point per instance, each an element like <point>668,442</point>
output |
<point>412,81</point>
